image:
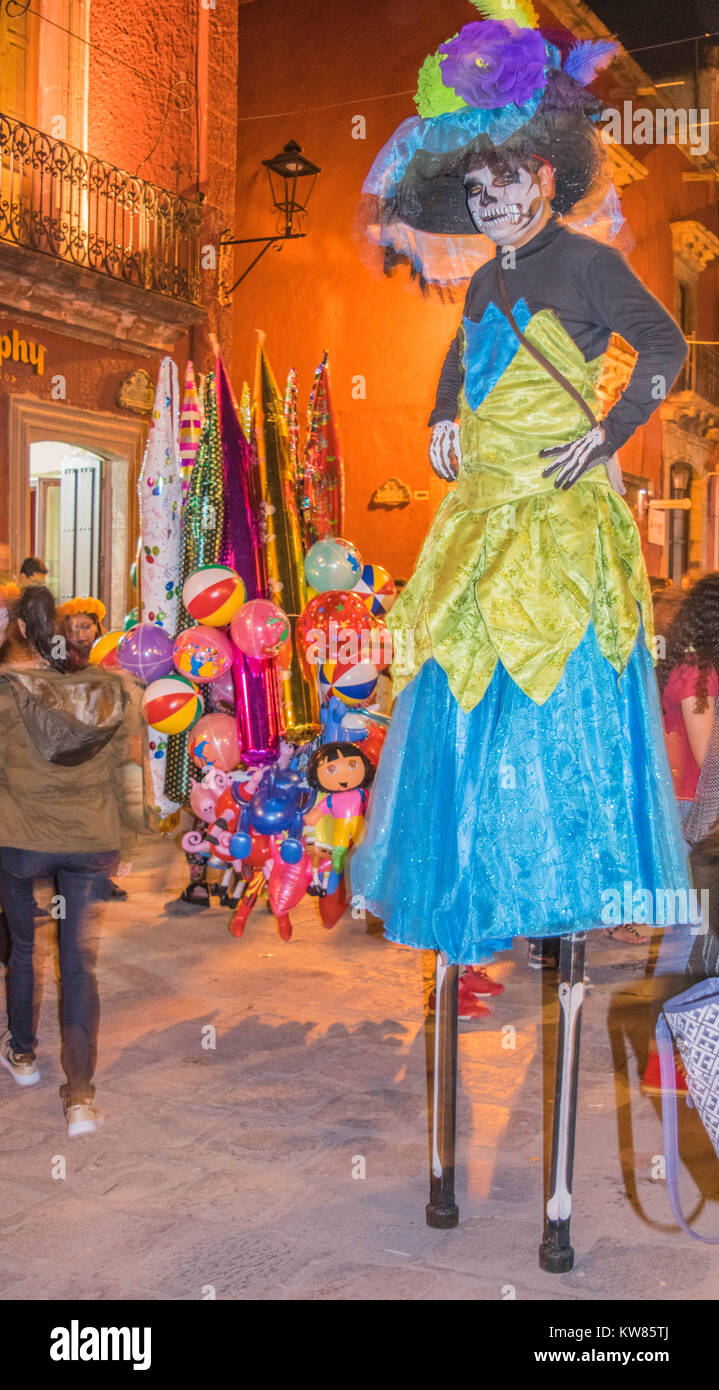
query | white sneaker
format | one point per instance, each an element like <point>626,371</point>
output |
<point>82,1119</point>
<point>21,1065</point>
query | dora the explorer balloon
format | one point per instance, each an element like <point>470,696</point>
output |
<point>342,774</point>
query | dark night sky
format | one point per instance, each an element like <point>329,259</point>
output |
<point>640,22</point>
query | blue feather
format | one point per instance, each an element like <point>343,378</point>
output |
<point>587,57</point>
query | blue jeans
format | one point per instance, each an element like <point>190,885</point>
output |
<point>79,880</point>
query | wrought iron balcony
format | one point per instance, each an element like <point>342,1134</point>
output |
<point>58,201</point>
<point>700,373</point>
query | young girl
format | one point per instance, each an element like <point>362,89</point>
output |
<point>689,685</point>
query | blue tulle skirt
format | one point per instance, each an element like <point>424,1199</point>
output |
<point>520,819</point>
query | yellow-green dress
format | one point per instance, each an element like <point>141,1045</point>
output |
<point>524,780</point>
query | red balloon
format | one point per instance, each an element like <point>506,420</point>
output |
<point>261,849</point>
<point>373,744</point>
<point>334,625</point>
<point>284,926</point>
<point>245,906</point>
<point>288,884</point>
<point>333,905</point>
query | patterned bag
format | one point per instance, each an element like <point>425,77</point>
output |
<point>691,1022</point>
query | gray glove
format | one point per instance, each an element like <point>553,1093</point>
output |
<point>570,461</point>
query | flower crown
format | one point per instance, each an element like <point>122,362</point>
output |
<point>93,606</point>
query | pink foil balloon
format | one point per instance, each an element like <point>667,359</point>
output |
<point>259,628</point>
<point>257,704</point>
<point>222,690</point>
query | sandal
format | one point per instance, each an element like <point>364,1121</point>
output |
<point>627,935</point>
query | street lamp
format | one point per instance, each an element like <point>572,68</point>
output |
<point>292,178</point>
<point>680,476</point>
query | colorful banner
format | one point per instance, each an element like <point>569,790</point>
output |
<point>159,491</point>
<point>283,544</point>
<point>321,474</point>
<point>255,682</point>
<point>190,427</point>
<point>202,536</point>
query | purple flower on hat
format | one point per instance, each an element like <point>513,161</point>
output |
<point>489,64</point>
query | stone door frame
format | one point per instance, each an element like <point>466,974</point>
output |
<point>120,442</point>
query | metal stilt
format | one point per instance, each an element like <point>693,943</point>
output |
<point>556,1255</point>
<point>442,1210</point>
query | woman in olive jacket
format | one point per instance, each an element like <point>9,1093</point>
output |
<point>66,815</point>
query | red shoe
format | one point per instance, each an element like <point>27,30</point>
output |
<point>651,1084</point>
<point>478,982</point>
<point>468,1007</point>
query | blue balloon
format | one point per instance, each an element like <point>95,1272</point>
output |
<point>240,845</point>
<point>291,851</point>
<point>271,814</point>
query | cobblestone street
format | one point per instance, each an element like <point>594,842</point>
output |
<point>227,1171</point>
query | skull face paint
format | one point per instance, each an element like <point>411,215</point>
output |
<point>509,206</point>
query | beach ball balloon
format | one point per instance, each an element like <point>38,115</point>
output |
<point>104,651</point>
<point>377,588</point>
<point>352,682</point>
<point>260,628</point>
<point>213,594</point>
<point>131,619</point>
<point>145,650</point>
<point>213,743</point>
<point>172,705</point>
<point>202,653</point>
<point>332,564</point>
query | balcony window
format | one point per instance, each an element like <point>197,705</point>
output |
<point>56,200</point>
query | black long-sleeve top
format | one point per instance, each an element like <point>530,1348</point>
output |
<point>594,293</point>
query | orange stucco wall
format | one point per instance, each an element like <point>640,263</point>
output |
<point>141,107</point>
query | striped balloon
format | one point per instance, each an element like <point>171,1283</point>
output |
<point>353,682</point>
<point>171,705</point>
<point>190,427</point>
<point>376,588</point>
<point>213,594</point>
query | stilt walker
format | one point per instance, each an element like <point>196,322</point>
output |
<point>524,774</point>
<point>556,1255</point>
<point>442,1210</point>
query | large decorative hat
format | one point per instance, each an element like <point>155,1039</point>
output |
<point>502,90</point>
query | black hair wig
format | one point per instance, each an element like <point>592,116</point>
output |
<point>328,751</point>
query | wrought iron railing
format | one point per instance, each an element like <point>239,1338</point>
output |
<point>700,372</point>
<point>63,203</point>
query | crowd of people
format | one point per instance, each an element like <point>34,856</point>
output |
<point>70,736</point>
